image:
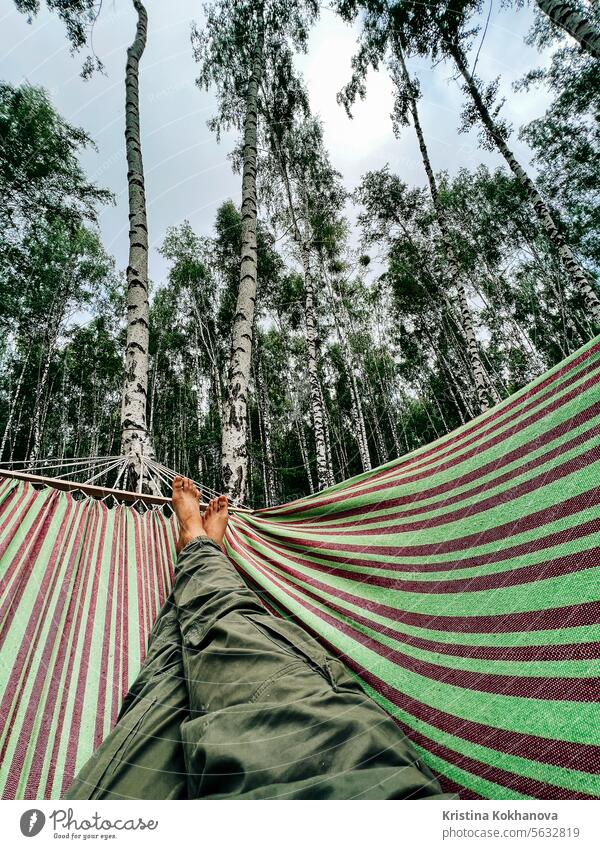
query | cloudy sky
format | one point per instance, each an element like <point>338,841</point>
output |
<point>187,173</point>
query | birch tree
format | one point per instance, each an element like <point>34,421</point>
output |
<point>498,133</point>
<point>442,31</point>
<point>304,190</point>
<point>237,47</point>
<point>571,17</point>
<point>135,439</point>
<point>407,93</point>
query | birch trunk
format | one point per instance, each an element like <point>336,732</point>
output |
<point>235,422</point>
<point>13,404</point>
<point>316,401</point>
<point>326,428</point>
<point>323,452</point>
<point>63,414</point>
<point>135,439</point>
<point>265,411</point>
<point>304,453</point>
<point>565,16</point>
<point>576,273</point>
<point>361,430</point>
<point>382,451</point>
<point>453,269</point>
<point>357,409</point>
<point>38,410</point>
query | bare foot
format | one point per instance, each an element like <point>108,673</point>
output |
<point>187,510</point>
<point>216,517</point>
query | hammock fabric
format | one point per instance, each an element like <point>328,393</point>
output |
<point>460,583</point>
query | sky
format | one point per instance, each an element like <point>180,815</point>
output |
<point>188,175</point>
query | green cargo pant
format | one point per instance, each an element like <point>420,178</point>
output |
<point>234,703</point>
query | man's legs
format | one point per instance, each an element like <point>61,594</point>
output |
<point>273,716</point>
<point>236,703</point>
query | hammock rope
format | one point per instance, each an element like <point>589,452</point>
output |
<point>460,583</point>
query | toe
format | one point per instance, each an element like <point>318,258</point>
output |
<point>222,502</point>
<point>186,484</point>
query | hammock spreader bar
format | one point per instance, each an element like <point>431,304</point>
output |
<point>461,583</point>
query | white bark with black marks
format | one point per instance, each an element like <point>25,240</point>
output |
<point>576,273</point>
<point>234,446</point>
<point>361,430</point>
<point>316,401</point>
<point>477,370</point>
<point>269,461</point>
<point>304,453</point>
<point>13,404</point>
<point>135,439</point>
<point>566,16</point>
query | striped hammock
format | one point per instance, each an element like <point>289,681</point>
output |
<point>460,583</point>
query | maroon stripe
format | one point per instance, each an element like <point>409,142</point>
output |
<point>582,757</point>
<point>101,705</point>
<point>575,464</point>
<point>535,620</point>
<point>69,766</point>
<point>150,548</point>
<point>157,527</point>
<point>388,505</point>
<point>518,783</point>
<point>53,699</point>
<point>553,688</point>
<point>449,786</point>
<point>551,568</point>
<point>26,650</point>
<point>115,680</point>
<point>37,532</point>
<point>433,453</point>
<point>125,632</point>
<point>50,582</point>
<point>556,652</point>
<point>143,629</point>
<point>73,745</point>
<point>564,753</point>
<point>522,549</point>
<point>568,507</point>
<point>21,506</point>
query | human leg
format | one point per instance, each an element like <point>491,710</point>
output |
<point>273,715</point>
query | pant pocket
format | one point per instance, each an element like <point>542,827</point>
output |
<point>290,638</point>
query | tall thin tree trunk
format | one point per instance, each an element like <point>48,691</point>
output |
<point>264,407</point>
<point>380,445</point>
<point>38,409</point>
<point>64,410</point>
<point>78,431</point>
<point>235,423</point>
<point>16,431</point>
<point>569,18</point>
<point>135,439</point>
<point>576,273</point>
<point>304,453</point>
<point>453,268</point>
<point>313,374</point>
<point>361,430</point>
<point>397,448</point>
<point>326,429</point>
<point>357,409</point>
<point>13,403</point>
